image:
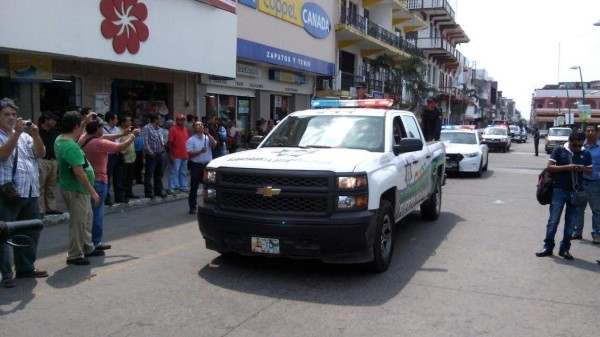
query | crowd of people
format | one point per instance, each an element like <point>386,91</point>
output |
<point>86,154</point>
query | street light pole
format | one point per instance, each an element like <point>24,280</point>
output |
<point>582,88</point>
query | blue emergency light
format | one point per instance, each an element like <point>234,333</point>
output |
<point>352,103</point>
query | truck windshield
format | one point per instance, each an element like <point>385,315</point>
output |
<point>326,131</point>
<point>560,132</point>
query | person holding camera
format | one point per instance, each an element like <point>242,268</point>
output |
<point>96,150</point>
<point>19,189</point>
<point>75,179</point>
<point>199,149</point>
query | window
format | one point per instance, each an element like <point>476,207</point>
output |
<point>412,129</point>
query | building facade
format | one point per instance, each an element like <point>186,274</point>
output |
<point>280,54</point>
<point>561,104</point>
<point>121,56</point>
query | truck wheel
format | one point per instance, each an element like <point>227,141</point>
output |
<point>432,207</point>
<point>383,247</point>
<point>480,171</point>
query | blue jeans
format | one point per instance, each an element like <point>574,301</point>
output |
<point>178,174</point>
<point>593,189</point>
<point>98,210</point>
<point>560,198</point>
<point>24,258</point>
<point>154,172</point>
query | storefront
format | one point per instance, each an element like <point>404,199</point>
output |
<point>95,59</point>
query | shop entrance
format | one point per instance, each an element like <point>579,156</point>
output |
<point>58,96</point>
<point>140,98</point>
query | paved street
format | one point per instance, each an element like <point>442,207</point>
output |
<point>472,272</point>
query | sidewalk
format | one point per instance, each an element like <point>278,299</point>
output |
<point>133,204</point>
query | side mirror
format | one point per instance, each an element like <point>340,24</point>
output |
<point>408,145</point>
<point>255,141</point>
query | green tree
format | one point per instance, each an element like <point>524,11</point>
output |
<point>405,74</point>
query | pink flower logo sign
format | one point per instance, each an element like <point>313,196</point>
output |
<point>124,24</point>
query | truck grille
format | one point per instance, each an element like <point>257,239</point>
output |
<point>299,193</point>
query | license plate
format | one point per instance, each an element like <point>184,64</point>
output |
<point>265,245</point>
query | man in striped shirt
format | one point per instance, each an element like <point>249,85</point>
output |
<point>153,145</point>
<point>18,147</point>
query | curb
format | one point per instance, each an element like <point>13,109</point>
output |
<point>51,220</point>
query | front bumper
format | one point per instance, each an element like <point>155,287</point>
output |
<point>340,238</point>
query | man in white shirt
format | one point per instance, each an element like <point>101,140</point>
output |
<point>199,148</point>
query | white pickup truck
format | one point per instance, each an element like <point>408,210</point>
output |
<point>326,183</point>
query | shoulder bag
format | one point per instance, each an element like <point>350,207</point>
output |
<point>8,191</point>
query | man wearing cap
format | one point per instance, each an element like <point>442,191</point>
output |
<point>361,91</point>
<point>431,120</point>
<point>19,152</point>
<point>178,156</point>
<point>47,165</point>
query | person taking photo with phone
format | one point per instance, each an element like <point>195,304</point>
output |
<point>199,149</point>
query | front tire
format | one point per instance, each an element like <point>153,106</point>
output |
<point>383,245</point>
<point>432,207</point>
<point>487,160</point>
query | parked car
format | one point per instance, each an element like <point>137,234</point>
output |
<point>465,151</point>
<point>543,133</point>
<point>496,137</point>
<point>556,137</point>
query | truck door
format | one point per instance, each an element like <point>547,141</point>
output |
<point>403,164</point>
<point>420,162</point>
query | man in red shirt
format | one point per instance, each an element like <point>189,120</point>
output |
<point>96,150</point>
<point>178,156</point>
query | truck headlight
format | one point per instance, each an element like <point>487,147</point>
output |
<point>210,177</point>
<point>209,194</point>
<point>352,201</point>
<point>351,182</point>
<point>504,140</point>
<point>471,155</point>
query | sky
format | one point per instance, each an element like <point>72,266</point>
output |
<point>526,44</point>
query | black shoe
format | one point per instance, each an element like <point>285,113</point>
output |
<point>162,194</point>
<point>8,283</point>
<point>565,254</point>
<point>103,247</point>
<point>122,201</point>
<point>108,203</point>
<point>544,252</point>
<point>32,274</point>
<point>95,252</point>
<point>576,237</point>
<point>132,196</point>
<point>192,211</point>
<point>150,196</point>
<point>80,261</point>
<point>54,212</point>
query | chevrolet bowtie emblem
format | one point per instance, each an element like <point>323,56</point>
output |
<point>268,191</point>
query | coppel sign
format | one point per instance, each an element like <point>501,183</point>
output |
<point>308,15</point>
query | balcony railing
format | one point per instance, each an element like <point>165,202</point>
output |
<point>374,30</point>
<point>435,43</point>
<point>431,4</point>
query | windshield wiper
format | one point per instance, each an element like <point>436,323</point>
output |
<point>316,147</point>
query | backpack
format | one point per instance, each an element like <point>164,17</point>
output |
<point>545,186</point>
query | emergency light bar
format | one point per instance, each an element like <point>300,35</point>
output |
<point>352,103</point>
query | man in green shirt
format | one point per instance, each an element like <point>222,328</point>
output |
<point>76,176</point>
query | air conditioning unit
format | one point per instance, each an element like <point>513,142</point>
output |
<point>325,85</point>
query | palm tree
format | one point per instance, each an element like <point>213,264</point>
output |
<point>405,74</point>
